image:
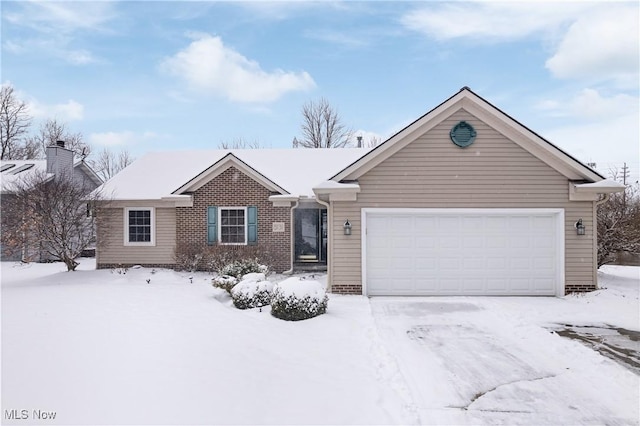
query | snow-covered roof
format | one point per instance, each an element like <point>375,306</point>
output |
<point>12,171</point>
<point>603,184</point>
<point>331,184</point>
<point>161,174</point>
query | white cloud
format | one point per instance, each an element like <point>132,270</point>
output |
<point>590,104</point>
<point>601,45</point>
<point>208,65</point>
<point>112,138</point>
<point>79,57</point>
<point>347,40</point>
<point>608,143</point>
<point>591,41</point>
<point>68,111</point>
<point>597,128</point>
<point>489,21</point>
<point>55,26</point>
<point>62,17</point>
<point>125,137</point>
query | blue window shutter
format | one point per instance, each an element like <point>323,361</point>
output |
<point>252,225</point>
<point>212,225</point>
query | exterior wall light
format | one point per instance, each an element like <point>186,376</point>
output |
<point>580,228</point>
<point>347,228</point>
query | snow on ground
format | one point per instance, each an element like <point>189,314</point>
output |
<point>99,347</point>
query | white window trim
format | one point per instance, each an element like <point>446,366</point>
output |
<point>153,227</point>
<point>246,226</point>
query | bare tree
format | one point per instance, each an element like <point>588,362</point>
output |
<point>52,131</point>
<point>619,225</point>
<point>322,127</point>
<point>239,143</point>
<point>49,218</point>
<point>372,142</point>
<point>109,163</point>
<point>14,123</point>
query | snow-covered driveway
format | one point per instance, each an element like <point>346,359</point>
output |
<point>493,360</point>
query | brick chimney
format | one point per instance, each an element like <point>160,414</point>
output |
<point>59,160</point>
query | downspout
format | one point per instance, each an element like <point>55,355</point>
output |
<point>604,199</point>
<point>329,254</point>
<point>291,238</point>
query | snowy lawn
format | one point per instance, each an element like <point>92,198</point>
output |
<point>98,347</point>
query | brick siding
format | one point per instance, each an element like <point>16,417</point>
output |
<point>232,188</point>
<point>346,289</point>
<point>129,265</point>
<point>578,288</point>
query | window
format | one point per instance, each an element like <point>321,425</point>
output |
<point>232,225</point>
<point>139,226</point>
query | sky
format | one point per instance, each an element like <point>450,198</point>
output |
<point>166,75</point>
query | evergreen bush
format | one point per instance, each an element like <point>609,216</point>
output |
<point>224,282</point>
<point>297,299</point>
<point>251,293</point>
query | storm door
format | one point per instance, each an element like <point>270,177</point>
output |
<point>311,235</point>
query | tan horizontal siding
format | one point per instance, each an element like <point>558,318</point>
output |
<point>112,250</point>
<point>493,172</point>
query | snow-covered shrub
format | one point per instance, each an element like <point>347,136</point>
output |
<point>240,268</point>
<point>252,292</point>
<point>254,276</point>
<point>296,299</point>
<point>224,282</point>
<point>189,257</point>
<point>220,258</point>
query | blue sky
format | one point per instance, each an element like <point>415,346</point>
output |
<point>150,76</point>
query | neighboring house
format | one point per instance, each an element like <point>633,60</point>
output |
<point>59,161</point>
<point>463,201</point>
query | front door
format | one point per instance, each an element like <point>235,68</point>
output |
<point>311,235</point>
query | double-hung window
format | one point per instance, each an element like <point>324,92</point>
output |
<point>232,225</point>
<point>139,226</point>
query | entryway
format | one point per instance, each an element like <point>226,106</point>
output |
<point>310,238</point>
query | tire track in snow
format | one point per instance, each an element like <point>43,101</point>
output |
<point>389,373</point>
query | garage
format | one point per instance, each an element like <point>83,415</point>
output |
<point>498,252</point>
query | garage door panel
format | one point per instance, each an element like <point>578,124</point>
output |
<point>450,264</point>
<point>473,263</point>
<point>425,223</point>
<point>497,285</point>
<point>473,285</point>
<point>475,242</point>
<point>399,224</point>
<point>398,264</point>
<point>423,242</point>
<point>543,284</point>
<point>463,253</point>
<point>402,242</point>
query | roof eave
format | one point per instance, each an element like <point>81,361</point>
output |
<point>220,166</point>
<point>467,99</point>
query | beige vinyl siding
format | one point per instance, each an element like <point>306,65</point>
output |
<point>112,250</point>
<point>493,172</point>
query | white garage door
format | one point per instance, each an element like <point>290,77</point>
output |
<point>463,251</point>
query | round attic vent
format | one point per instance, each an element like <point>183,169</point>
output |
<point>462,134</point>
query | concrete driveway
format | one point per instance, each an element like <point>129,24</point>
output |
<point>474,360</point>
